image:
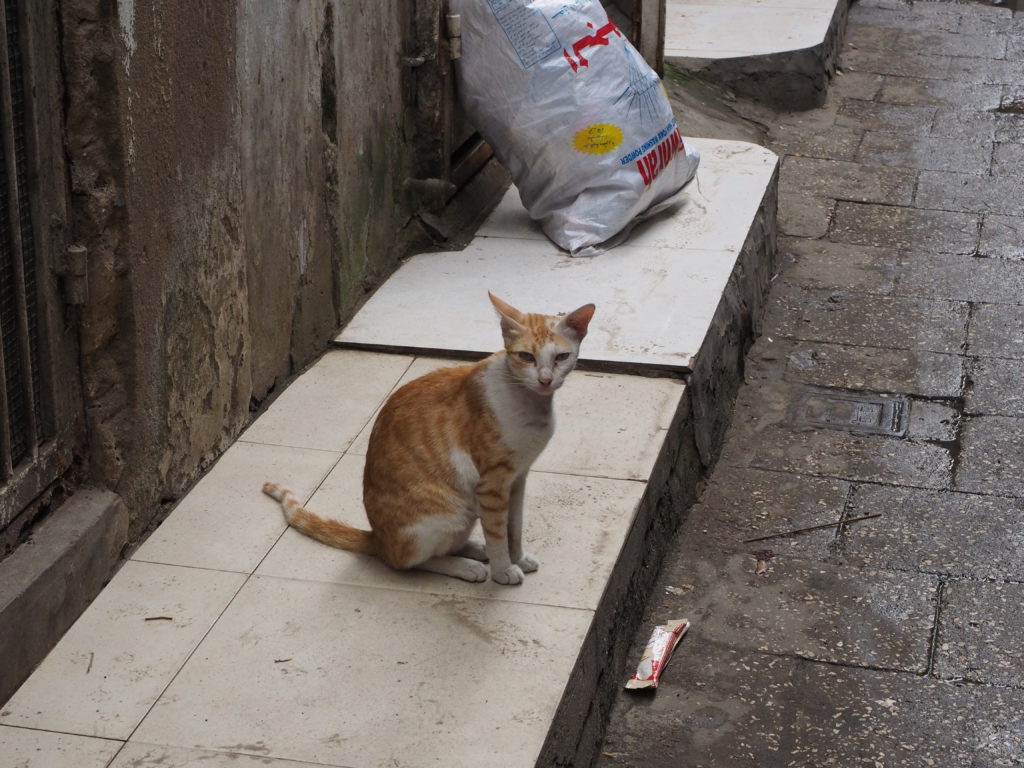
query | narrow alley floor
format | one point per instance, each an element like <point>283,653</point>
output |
<point>896,640</point>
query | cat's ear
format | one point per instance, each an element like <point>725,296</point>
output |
<point>574,325</point>
<point>511,318</point>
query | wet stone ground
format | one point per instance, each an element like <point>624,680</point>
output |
<point>896,640</point>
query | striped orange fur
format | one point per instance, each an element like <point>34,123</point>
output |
<point>455,446</point>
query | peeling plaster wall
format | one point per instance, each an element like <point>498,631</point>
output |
<point>236,176</point>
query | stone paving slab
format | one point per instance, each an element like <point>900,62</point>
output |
<point>845,456</point>
<point>925,152</point>
<point>977,194</point>
<point>718,706</point>
<point>951,534</point>
<point>715,706</point>
<point>822,264</point>
<point>865,36</point>
<point>837,143</point>
<point>883,62</point>
<point>910,120</point>
<point>864,86</point>
<point>722,703</point>
<point>1002,237</point>
<point>1007,159</point>
<point>956,123</point>
<point>980,633</point>
<point>909,228</point>
<point>805,215</point>
<point>1010,128</point>
<point>761,437</point>
<point>1009,23</point>
<point>932,422</point>
<point>924,91</point>
<point>865,320</point>
<point>741,504</point>
<point>964,278</point>
<point>997,330</point>
<point>992,461</point>
<point>849,181</point>
<point>976,70</point>
<point>811,610</point>
<point>874,369</point>
<point>995,387</point>
<point>949,43</point>
<point>900,14</point>
<point>292,420</point>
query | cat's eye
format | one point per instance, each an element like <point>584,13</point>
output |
<point>526,357</point>
<point>561,357</point>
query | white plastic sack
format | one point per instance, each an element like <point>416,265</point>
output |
<point>573,111</point>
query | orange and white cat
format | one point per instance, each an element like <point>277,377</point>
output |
<point>455,446</point>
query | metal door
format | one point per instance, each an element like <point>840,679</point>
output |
<point>40,396</point>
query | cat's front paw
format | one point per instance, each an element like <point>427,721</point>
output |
<point>471,570</point>
<point>511,575</point>
<point>528,562</point>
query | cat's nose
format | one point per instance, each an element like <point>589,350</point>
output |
<point>544,379</point>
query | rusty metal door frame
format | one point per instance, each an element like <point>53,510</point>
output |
<point>448,154</point>
<point>646,19</point>
<point>37,219</point>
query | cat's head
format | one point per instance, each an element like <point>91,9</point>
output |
<point>542,349</point>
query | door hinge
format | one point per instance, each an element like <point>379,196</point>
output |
<point>453,28</point>
<point>73,271</point>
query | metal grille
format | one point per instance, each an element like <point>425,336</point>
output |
<point>20,418</point>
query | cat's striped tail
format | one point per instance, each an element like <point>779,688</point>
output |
<point>331,532</point>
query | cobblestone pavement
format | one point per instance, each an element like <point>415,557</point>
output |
<point>896,640</point>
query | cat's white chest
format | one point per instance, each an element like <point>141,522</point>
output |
<point>527,440</point>
<point>525,427</point>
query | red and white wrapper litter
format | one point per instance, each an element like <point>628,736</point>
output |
<point>663,641</point>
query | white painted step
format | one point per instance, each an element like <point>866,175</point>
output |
<point>264,643</point>
<point>656,294</point>
<point>727,29</point>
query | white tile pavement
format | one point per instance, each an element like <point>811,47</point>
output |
<point>26,748</point>
<point>220,524</point>
<point>373,677</point>
<point>266,648</point>
<point>320,652</point>
<point>656,294</point>
<point>329,404</point>
<point>114,663</point>
<point>726,29</point>
<point>575,526</point>
<point>137,755</point>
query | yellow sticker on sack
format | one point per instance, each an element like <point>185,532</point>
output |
<point>598,139</point>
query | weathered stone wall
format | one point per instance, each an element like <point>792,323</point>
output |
<point>236,176</point>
